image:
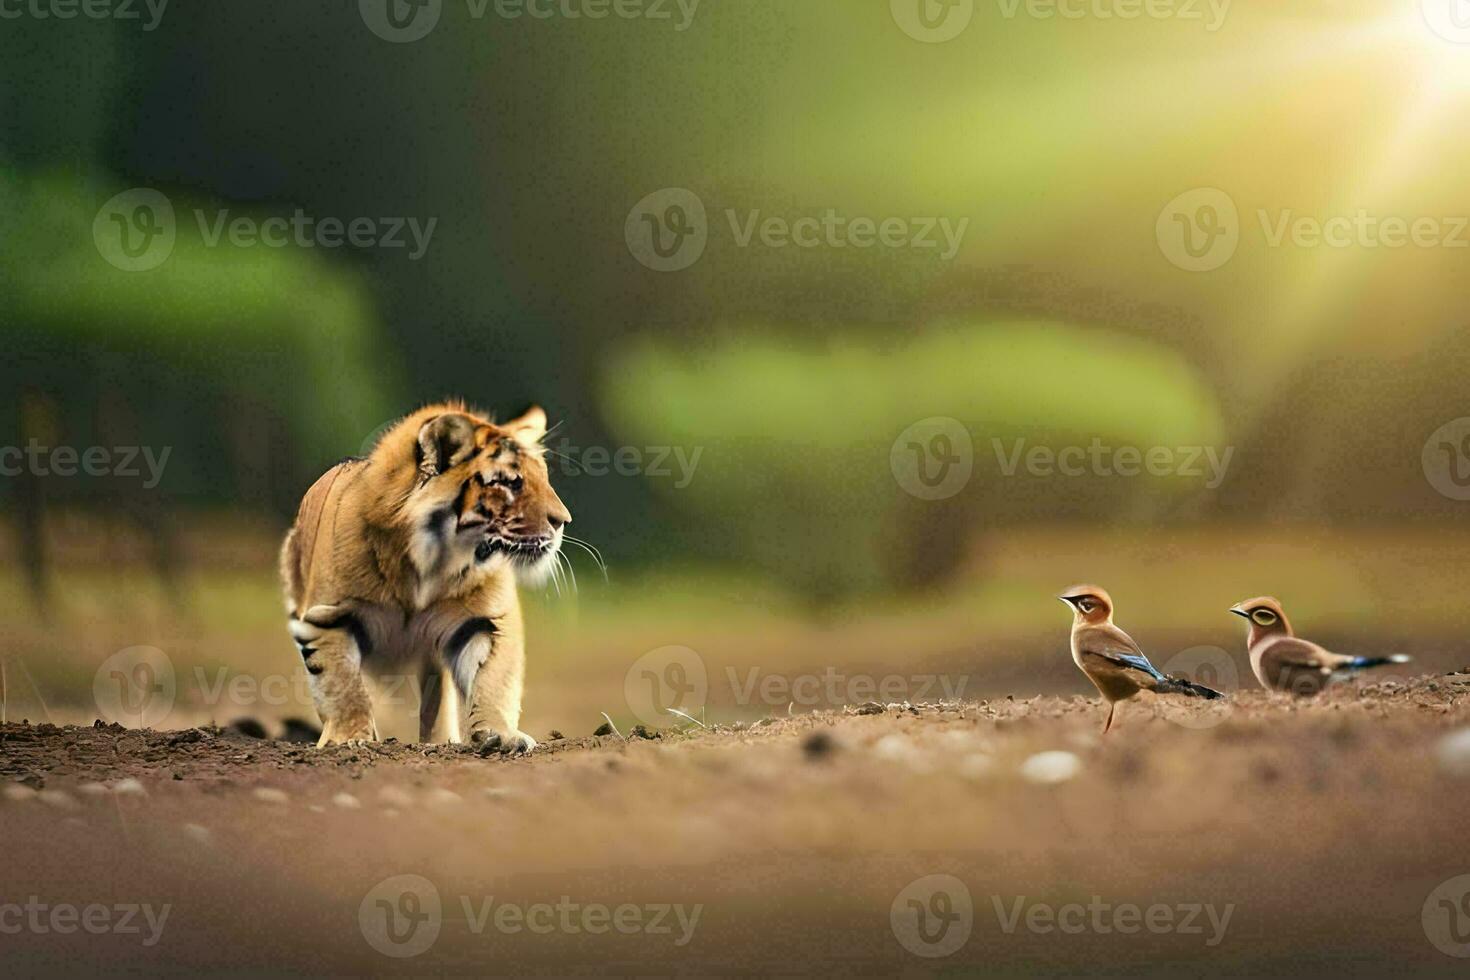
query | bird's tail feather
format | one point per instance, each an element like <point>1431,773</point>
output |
<point>1176,685</point>
<point>1360,663</point>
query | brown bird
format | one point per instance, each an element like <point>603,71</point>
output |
<point>1284,662</point>
<point>1109,657</point>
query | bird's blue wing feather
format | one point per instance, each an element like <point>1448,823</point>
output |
<point>1139,661</point>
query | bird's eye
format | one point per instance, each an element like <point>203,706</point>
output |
<point>1085,605</point>
<point>1263,617</point>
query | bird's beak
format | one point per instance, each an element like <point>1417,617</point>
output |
<point>1239,611</point>
<point>1065,599</point>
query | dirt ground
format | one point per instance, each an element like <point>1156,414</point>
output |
<point>1264,837</point>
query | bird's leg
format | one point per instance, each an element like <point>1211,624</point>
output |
<point>1112,706</point>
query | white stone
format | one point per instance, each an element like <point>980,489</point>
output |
<point>269,794</point>
<point>444,797</point>
<point>1050,768</point>
<point>1453,753</point>
<point>395,796</point>
<point>893,748</point>
<point>58,799</point>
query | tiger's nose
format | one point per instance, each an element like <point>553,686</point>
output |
<point>558,521</point>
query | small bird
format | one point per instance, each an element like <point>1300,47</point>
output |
<point>1283,662</point>
<point>1110,658</point>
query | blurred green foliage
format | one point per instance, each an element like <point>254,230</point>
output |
<point>272,354</point>
<point>795,439</point>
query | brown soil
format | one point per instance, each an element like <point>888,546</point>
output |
<point>1323,825</point>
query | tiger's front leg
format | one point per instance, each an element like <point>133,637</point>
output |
<point>487,659</point>
<point>330,651</point>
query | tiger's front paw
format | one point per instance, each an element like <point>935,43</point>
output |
<point>348,732</point>
<point>515,743</point>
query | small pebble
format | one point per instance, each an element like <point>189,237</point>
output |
<point>58,799</point>
<point>395,796</point>
<point>269,794</point>
<point>444,797</point>
<point>129,787</point>
<point>1453,753</point>
<point>197,833</point>
<point>92,789</point>
<point>1050,768</point>
<point>347,801</point>
<point>15,792</point>
<point>893,748</point>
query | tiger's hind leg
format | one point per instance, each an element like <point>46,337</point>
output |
<point>331,651</point>
<point>441,706</point>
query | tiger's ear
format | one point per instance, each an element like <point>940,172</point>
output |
<point>445,441</point>
<point>529,429</point>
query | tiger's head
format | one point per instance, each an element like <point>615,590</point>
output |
<point>481,498</point>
